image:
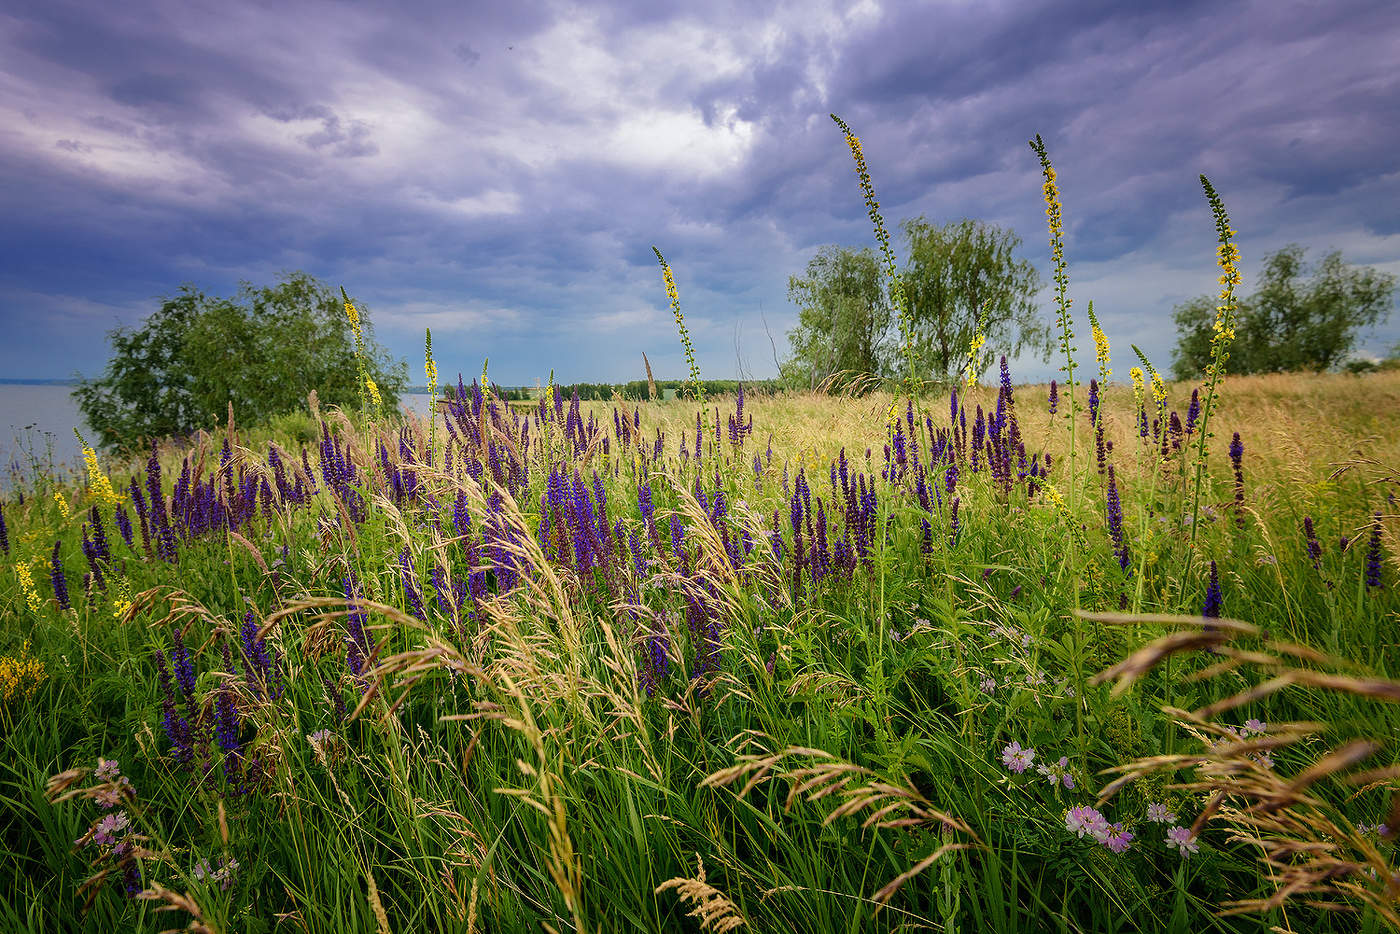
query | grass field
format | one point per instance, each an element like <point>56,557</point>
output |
<point>524,726</point>
<point>1019,658</point>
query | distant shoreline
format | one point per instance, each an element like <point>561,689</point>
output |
<point>6,381</point>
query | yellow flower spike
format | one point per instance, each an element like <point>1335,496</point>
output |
<point>62,503</point>
<point>26,586</point>
<point>898,297</point>
<point>97,480</point>
<point>374,394</point>
<point>1100,346</point>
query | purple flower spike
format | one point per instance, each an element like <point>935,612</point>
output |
<point>60,582</point>
<point>1211,610</point>
<point>1373,554</point>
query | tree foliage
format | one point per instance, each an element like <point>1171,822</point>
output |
<point>263,351</point>
<point>1283,327</point>
<point>953,275</point>
<point>843,318</point>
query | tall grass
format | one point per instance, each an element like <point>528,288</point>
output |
<point>786,663</point>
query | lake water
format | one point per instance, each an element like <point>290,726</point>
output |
<point>37,422</point>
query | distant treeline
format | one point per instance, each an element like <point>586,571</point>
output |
<point>636,391</point>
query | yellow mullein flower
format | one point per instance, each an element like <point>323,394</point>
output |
<point>1136,374</point>
<point>62,503</point>
<point>374,393</point>
<point>1159,391</point>
<point>26,587</point>
<point>97,480</point>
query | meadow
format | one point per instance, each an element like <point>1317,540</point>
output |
<point>1106,657</point>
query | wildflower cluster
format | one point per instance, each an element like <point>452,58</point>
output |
<point>1086,821</point>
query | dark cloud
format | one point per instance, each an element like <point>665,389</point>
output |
<point>500,172</point>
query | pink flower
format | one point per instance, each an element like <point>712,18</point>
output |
<point>1058,773</point>
<point>1087,820</point>
<point>1183,839</point>
<point>107,829</point>
<point>1254,726</point>
<point>107,769</point>
<point>1118,839</point>
<point>1158,814</point>
<point>1017,759</point>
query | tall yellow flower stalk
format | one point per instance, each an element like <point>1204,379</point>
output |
<point>62,503</point>
<point>675,299</point>
<point>979,338</point>
<point>430,370</point>
<point>365,383</point>
<point>1223,333</point>
<point>1100,346</point>
<point>1063,319</point>
<point>898,297</point>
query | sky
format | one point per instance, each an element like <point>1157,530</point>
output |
<point>500,172</point>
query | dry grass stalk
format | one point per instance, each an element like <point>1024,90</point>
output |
<point>1311,852</point>
<point>714,911</point>
<point>888,805</point>
<point>175,901</point>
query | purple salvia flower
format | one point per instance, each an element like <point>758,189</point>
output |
<point>409,578</point>
<point>59,580</point>
<point>176,727</point>
<point>1373,554</point>
<point>260,667</point>
<point>1054,397</point>
<point>1211,610</point>
<point>4,532</point>
<point>677,536</point>
<point>359,644</point>
<point>1115,521</point>
<point>1193,411</point>
<point>1236,459</point>
<point>226,725</point>
<point>123,522</point>
<point>1093,401</point>
<point>183,667</point>
<point>953,521</point>
<point>1314,546</point>
<point>99,535</point>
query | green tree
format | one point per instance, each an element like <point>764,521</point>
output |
<point>844,314</point>
<point>951,273</point>
<point>263,351</point>
<point>1283,327</point>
